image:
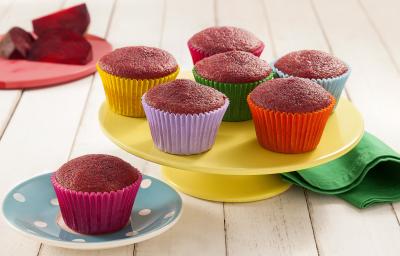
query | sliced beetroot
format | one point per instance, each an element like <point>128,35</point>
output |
<point>75,18</point>
<point>61,46</point>
<point>16,44</point>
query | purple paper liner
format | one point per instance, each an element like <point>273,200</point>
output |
<point>96,212</point>
<point>183,134</point>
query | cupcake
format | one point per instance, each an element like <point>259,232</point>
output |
<point>127,73</point>
<point>215,40</point>
<point>323,68</point>
<point>235,74</point>
<point>96,193</point>
<point>184,116</point>
<point>290,114</point>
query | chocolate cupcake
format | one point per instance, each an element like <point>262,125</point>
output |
<point>184,116</point>
<point>96,193</point>
<point>290,114</point>
<point>323,68</point>
<point>215,40</point>
<point>127,73</point>
<point>235,74</point>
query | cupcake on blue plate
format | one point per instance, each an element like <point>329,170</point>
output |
<point>321,67</point>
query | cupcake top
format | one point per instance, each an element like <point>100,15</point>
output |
<point>233,67</point>
<point>183,96</point>
<point>291,95</point>
<point>223,39</point>
<point>311,64</point>
<point>96,173</point>
<point>138,62</point>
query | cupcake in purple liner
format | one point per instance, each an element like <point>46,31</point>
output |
<point>215,40</point>
<point>320,67</point>
<point>184,116</point>
<point>96,193</point>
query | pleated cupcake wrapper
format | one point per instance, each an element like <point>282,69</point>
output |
<point>124,94</point>
<point>333,85</point>
<point>183,134</point>
<point>198,54</point>
<point>238,109</point>
<point>96,212</point>
<point>289,132</point>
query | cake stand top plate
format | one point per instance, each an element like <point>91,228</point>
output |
<point>236,150</point>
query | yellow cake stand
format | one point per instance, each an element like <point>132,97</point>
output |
<point>237,168</point>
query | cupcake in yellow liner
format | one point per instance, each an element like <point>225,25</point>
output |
<point>129,72</point>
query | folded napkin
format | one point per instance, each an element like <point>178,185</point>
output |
<point>368,174</point>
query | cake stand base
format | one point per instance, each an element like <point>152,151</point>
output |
<point>225,188</point>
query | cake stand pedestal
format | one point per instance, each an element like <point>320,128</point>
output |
<point>237,168</point>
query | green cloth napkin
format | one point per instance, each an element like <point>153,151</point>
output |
<point>368,174</point>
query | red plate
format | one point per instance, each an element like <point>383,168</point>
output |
<point>23,74</point>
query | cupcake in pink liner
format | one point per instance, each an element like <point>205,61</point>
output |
<point>215,40</point>
<point>184,116</point>
<point>96,193</point>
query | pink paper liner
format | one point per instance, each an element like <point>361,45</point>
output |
<point>198,54</point>
<point>96,212</point>
<point>183,134</point>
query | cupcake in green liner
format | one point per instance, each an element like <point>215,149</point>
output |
<point>235,74</point>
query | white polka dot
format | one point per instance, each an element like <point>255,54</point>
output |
<point>144,212</point>
<point>169,215</point>
<point>40,224</point>
<point>54,201</point>
<point>145,183</point>
<point>78,240</point>
<point>132,233</point>
<point>19,197</point>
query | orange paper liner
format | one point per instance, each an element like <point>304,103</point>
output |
<point>124,94</point>
<point>290,133</point>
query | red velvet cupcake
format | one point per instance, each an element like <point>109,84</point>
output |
<point>290,114</point>
<point>236,74</point>
<point>128,72</point>
<point>215,40</point>
<point>184,116</point>
<point>320,67</point>
<point>96,193</point>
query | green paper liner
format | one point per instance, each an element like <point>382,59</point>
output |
<point>238,109</point>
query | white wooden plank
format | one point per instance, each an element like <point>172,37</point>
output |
<point>247,15</point>
<point>13,146</point>
<point>280,225</point>
<point>370,231</point>
<point>384,16</point>
<point>182,20</point>
<point>202,222</point>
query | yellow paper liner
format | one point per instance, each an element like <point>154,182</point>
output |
<point>124,94</point>
<point>290,133</point>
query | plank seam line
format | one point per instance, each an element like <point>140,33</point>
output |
<point>225,230</point>
<point>11,114</point>
<point>319,21</point>
<point>269,27</point>
<point>215,5</point>
<point>40,249</point>
<point>308,203</point>
<point>381,39</point>
<point>6,10</point>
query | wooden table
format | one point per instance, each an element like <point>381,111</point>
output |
<point>41,129</point>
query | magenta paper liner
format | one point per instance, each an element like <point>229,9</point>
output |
<point>183,134</point>
<point>96,212</point>
<point>198,54</point>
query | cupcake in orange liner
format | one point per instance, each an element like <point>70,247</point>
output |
<point>290,114</point>
<point>128,73</point>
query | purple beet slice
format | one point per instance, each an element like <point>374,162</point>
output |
<point>75,18</point>
<point>61,46</point>
<point>16,44</point>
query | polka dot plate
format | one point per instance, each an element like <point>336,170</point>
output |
<point>32,209</point>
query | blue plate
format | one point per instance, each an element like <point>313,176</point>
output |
<point>32,209</point>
